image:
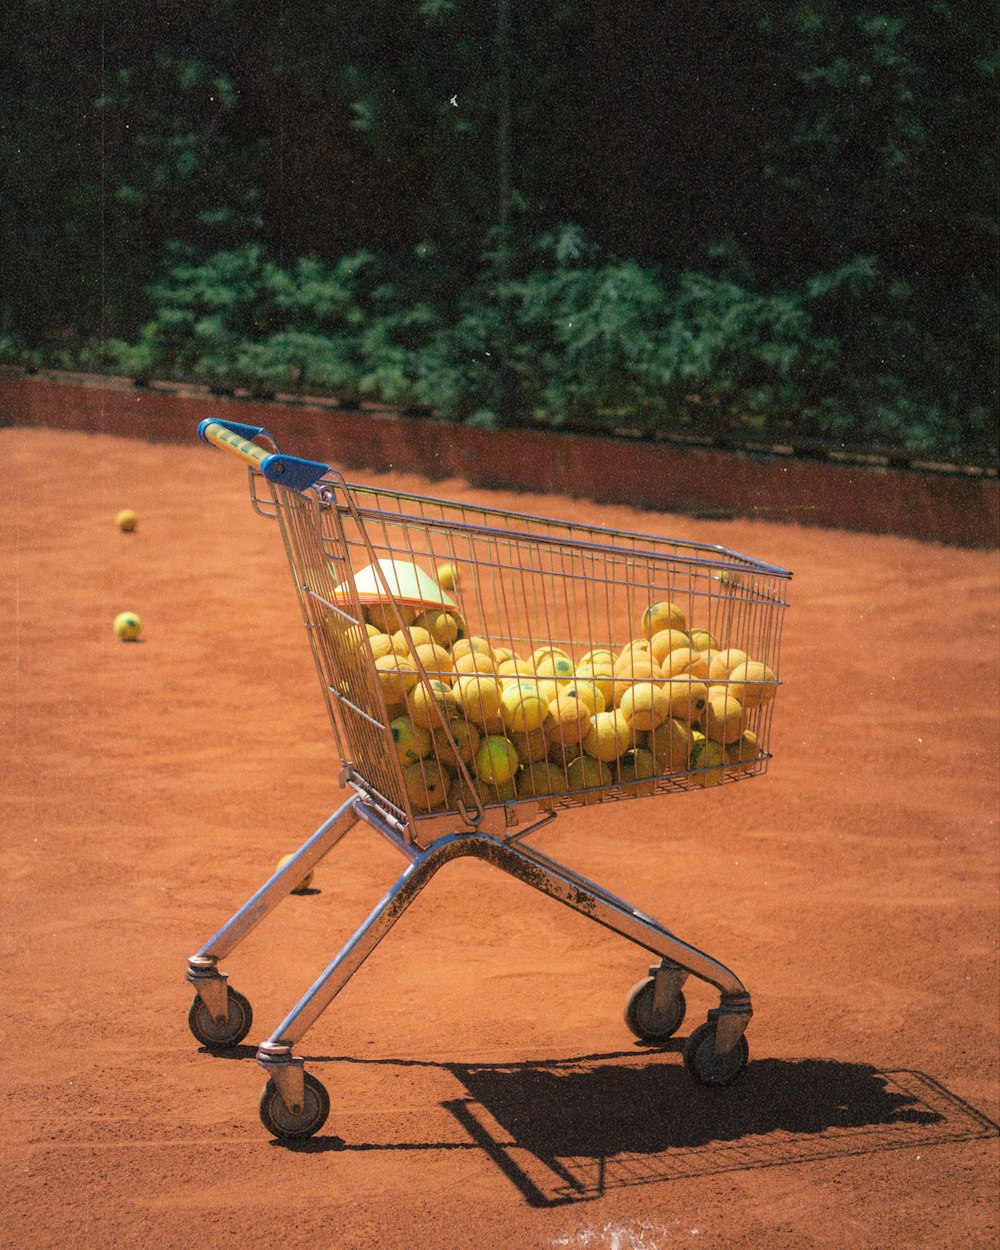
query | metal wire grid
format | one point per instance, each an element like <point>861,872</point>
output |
<point>526,583</point>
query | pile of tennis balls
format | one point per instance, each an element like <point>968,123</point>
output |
<point>672,702</point>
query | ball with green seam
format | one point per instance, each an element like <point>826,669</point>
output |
<point>496,760</point>
<point>127,626</point>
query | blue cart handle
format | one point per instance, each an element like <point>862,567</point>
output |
<point>234,437</point>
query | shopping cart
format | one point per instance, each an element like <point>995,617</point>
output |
<point>485,671</point>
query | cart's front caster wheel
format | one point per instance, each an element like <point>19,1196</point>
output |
<point>295,1123</point>
<point>217,1033</point>
<point>708,1067</point>
<point>645,1022</point>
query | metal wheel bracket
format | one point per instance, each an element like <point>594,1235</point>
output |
<point>668,981</point>
<point>730,1020</point>
<point>288,1073</point>
<point>210,985</point>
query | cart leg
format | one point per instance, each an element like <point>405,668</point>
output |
<point>220,1017</point>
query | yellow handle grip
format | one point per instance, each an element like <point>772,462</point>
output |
<point>216,434</point>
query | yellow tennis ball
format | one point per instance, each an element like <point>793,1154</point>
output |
<point>667,640</point>
<point>568,721</point>
<point>601,674</point>
<point>397,675</point>
<point>448,576</point>
<point>608,737</point>
<point>513,669</point>
<point>670,745</point>
<point>744,752</point>
<point>753,683</point>
<point>636,769</point>
<point>401,644</point>
<point>436,660</point>
<point>530,747</point>
<point>479,698</point>
<point>644,705</point>
<point>589,777</point>
<point>127,626</point>
<point>702,640</point>
<point>540,779</point>
<point>588,692</point>
<point>723,717</point>
<point>306,881</point>
<point>686,660</point>
<point>708,759</point>
<point>600,657</point>
<point>722,663</point>
<point>443,627</point>
<point>466,737</point>
<point>496,760</point>
<point>558,667</point>
<point>687,698</point>
<point>462,646</point>
<point>663,615</point>
<point>126,520</point>
<point>426,785</point>
<point>427,707</point>
<point>523,709</point>
<point>636,667</point>
<point>412,742</point>
<point>386,616</point>
<point>474,662</point>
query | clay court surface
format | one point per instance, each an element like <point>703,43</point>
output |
<point>486,1093</point>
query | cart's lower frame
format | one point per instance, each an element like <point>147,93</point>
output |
<point>295,1104</point>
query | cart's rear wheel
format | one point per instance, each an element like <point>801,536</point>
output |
<point>644,1021</point>
<point>708,1067</point>
<point>293,1124</point>
<point>216,1033</point>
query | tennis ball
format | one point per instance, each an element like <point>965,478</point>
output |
<point>743,752</point>
<point>667,640</point>
<point>686,660</point>
<point>306,881</point>
<point>381,645</point>
<point>460,792</point>
<point>466,737</point>
<point>753,683</point>
<point>479,698</point>
<point>447,576</point>
<point>568,721</point>
<point>687,698</point>
<point>544,653</point>
<point>708,759</point>
<point>443,627</point>
<point>600,657</point>
<point>502,654</point>
<point>702,640</point>
<point>397,675</point>
<point>644,706</point>
<point>426,785</point>
<point>601,674</point>
<point>637,667</point>
<point>608,737</point>
<point>635,770</point>
<point>412,742</point>
<point>722,663</point>
<point>670,745</point>
<point>638,647</point>
<point>557,667</point>
<point>126,520</point>
<point>512,669</point>
<point>723,718</point>
<point>428,707</point>
<point>523,709</point>
<point>530,747</point>
<point>474,662</point>
<point>588,775</point>
<point>663,615</point>
<point>538,779</point>
<point>401,643</point>
<point>127,626</point>
<point>384,615</point>
<point>496,760</point>
<point>463,646</point>
<point>436,660</point>
<point>504,793</point>
<point>587,692</point>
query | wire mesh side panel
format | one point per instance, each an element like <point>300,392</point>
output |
<point>569,665</point>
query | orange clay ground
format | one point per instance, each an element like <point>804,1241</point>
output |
<point>486,1093</point>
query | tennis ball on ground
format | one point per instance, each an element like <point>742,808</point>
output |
<point>589,775</point>
<point>479,698</point>
<point>427,707</point>
<point>412,742</point>
<point>538,779</point>
<point>708,758</point>
<point>530,747</point>
<point>466,737</point>
<point>743,752</point>
<point>397,675</point>
<point>753,683</point>
<point>496,760</point>
<point>306,881</point>
<point>723,718</point>
<point>722,663</point>
<point>127,626</point>
<point>670,745</point>
<point>523,709</point>
<point>608,737</point>
<point>443,627</point>
<point>126,520</point>
<point>448,576</point>
<point>663,615</point>
<point>687,698</point>
<point>426,785</point>
<point>667,640</point>
<point>636,768</point>
<point>644,705</point>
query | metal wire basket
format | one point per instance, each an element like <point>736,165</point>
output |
<point>484,670</point>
